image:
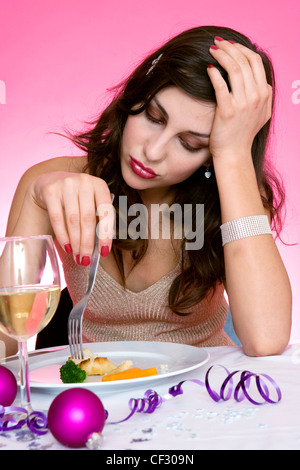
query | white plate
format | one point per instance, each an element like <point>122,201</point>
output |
<point>170,359</point>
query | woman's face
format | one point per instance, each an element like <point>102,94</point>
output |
<point>166,143</point>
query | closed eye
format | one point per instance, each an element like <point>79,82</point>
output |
<point>154,118</point>
<point>191,148</point>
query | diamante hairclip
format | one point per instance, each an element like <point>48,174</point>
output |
<point>154,63</point>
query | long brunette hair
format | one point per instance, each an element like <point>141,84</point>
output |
<point>182,62</point>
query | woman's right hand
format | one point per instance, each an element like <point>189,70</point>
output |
<point>75,203</point>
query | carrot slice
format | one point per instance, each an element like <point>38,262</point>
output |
<point>133,373</point>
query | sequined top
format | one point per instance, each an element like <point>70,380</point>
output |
<point>117,314</point>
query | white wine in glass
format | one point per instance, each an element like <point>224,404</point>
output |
<point>29,294</point>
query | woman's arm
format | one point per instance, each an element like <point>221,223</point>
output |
<point>56,198</point>
<point>256,280</point>
<point>26,218</point>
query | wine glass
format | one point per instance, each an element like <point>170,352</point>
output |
<point>29,294</point>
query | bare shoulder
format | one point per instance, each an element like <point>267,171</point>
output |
<point>72,164</point>
<point>69,164</point>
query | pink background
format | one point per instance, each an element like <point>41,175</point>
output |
<point>58,57</point>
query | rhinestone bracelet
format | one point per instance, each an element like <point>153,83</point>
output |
<point>245,227</point>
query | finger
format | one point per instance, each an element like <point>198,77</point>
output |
<point>87,210</point>
<point>72,215</point>
<point>261,91</point>
<point>57,219</point>
<point>106,218</point>
<point>264,89</point>
<point>237,67</point>
<point>223,96</point>
<point>256,64</point>
<point>251,65</point>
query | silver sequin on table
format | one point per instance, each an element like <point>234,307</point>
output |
<point>94,441</point>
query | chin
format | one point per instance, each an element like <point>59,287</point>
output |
<point>138,185</point>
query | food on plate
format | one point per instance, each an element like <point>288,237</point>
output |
<point>87,353</point>
<point>71,373</point>
<point>133,373</point>
<point>97,366</point>
<point>77,370</point>
<point>126,365</point>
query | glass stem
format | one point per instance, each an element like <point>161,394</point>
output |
<point>24,376</point>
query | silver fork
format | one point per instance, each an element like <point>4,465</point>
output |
<point>76,314</point>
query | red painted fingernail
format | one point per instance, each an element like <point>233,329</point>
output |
<point>104,251</point>
<point>78,259</point>
<point>218,38</point>
<point>85,261</point>
<point>231,42</point>
<point>68,248</point>
<point>215,48</point>
<point>210,66</point>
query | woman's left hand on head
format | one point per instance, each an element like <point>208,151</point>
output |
<point>243,111</point>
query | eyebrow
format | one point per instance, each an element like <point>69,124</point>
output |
<point>164,112</point>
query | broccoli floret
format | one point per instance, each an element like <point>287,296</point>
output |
<point>71,373</point>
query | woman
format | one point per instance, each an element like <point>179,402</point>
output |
<point>189,126</point>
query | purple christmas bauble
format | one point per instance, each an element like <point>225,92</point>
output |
<point>8,387</point>
<point>74,415</point>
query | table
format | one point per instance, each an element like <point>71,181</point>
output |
<point>193,421</point>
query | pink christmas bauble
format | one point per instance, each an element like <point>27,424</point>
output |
<point>74,415</point>
<point>8,387</point>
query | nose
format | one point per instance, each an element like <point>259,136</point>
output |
<point>156,147</point>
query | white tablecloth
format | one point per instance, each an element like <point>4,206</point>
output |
<point>193,420</point>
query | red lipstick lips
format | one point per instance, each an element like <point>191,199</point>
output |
<point>139,169</point>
